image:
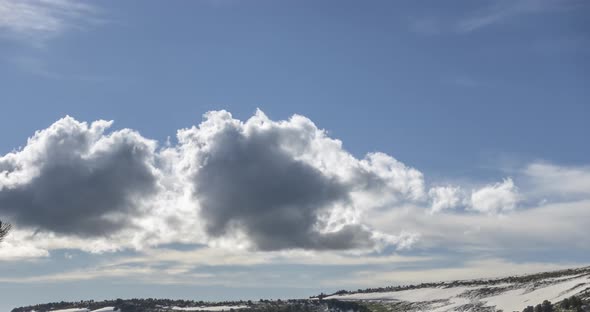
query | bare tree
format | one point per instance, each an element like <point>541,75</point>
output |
<point>4,229</point>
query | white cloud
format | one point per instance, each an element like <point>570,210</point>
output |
<point>353,205</point>
<point>548,179</point>
<point>304,189</point>
<point>472,269</point>
<point>444,197</point>
<point>501,11</point>
<point>19,252</point>
<point>546,228</point>
<point>496,14</point>
<point>282,185</point>
<point>495,198</point>
<point>73,179</point>
<point>37,20</point>
<point>205,256</point>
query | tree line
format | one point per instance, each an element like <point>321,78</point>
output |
<point>572,303</point>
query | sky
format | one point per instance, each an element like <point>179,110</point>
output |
<point>233,149</point>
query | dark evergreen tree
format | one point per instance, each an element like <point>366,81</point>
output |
<point>575,302</point>
<point>566,303</point>
<point>4,229</point>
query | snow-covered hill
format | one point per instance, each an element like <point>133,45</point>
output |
<point>504,294</point>
<point>507,294</point>
<point>105,309</point>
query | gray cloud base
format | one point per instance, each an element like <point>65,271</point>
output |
<point>78,184</point>
<point>248,182</point>
<point>74,179</point>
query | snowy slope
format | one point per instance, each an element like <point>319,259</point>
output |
<point>507,294</point>
<point>502,294</point>
<point>105,309</point>
<point>209,308</point>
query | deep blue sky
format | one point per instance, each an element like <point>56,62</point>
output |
<point>467,92</point>
<point>396,76</point>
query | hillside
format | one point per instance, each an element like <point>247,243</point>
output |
<point>507,294</point>
<point>513,293</point>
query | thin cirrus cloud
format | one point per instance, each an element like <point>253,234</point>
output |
<point>573,181</point>
<point>503,11</point>
<point>257,184</point>
<point>36,21</point>
<point>495,14</point>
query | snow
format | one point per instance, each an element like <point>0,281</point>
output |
<point>511,294</point>
<point>105,309</point>
<point>418,295</point>
<point>210,308</point>
<point>517,299</point>
<point>512,297</point>
<point>411,295</point>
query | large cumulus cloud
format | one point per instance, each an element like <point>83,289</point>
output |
<point>258,184</point>
<point>284,184</point>
<point>72,179</point>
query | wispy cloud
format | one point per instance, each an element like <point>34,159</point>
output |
<point>496,14</point>
<point>464,81</point>
<point>426,25</point>
<point>210,266</point>
<point>493,15</point>
<point>39,66</point>
<point>36,21</point>
<point>488,268</point>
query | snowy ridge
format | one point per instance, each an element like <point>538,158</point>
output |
<point>506,294</point>
<point>105,309</point>
<point>210,308</point>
